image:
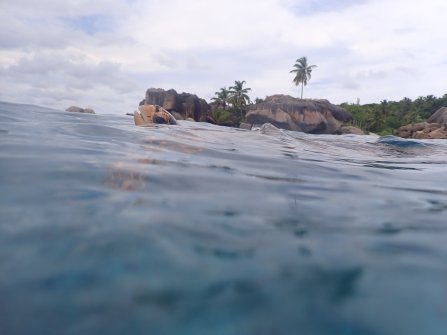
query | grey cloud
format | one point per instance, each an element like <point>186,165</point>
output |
<point>165,59</point>
<point>372,74</point>
<point>69,68</point>
<point>350,84</point>
<point>193,63</point>
<point>27,25</point>
<point>70,8</point>
<point>406,70</point>
<point>180,61</point>
<point>56,78</point>
<point>28,33</point>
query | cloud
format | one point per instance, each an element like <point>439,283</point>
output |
<point>313,7</point>
<point>96,51</point>
<point>56,77</point>
<point>91,24</point>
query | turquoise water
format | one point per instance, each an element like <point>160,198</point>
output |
<point>107,228</point>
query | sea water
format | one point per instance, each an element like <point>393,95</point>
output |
<point>108,228</point>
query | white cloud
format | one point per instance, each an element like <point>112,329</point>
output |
<point>106,53</point>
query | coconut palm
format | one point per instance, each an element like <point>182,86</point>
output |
<point>238,95</point>
<point>222,97</point>
<point>303,72</point>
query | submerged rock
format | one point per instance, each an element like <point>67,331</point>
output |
<point>76,109</point>
<point>309,116</point>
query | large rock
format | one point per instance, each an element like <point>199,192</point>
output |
<point>150,114</point>
<point>423,130</point>
<point>309,116</point>
<point>440,116</point>
<point>434,128</point>
<point>351,130</point>
<point>76,109</point>
<point>184,105</point>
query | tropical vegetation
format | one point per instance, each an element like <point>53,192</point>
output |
<point>239,96</point>
<point>231,104</point>
<point>221,116</point>
<point>385,117</point>
<point>222,98</point>
<point>303,73</point>
<point>382,118</point>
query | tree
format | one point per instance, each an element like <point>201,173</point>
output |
<point>222,97</point>
<point>220,116</point>
<point>239,95</point>
<point>303,73</point>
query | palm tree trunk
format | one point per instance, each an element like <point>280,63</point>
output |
<point>302,87</point>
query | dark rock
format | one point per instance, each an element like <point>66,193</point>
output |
<point>310,116</point>
<point>185,104</point>
<point>76,109</point>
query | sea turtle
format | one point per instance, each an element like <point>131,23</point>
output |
<point>149,114</point>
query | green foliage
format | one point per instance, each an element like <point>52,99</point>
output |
<point>221,116</point>
<point>385,117</point>
<point>386,131</point>
<point>222,97</point>
<point>239,96</point>
<point>232,104</point>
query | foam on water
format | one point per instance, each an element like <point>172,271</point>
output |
<point>199,229</point>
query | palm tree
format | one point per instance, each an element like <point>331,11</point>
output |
<point>222,97</point>
<point>238,95</point>
<point>303,72</point>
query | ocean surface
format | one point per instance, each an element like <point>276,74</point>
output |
<point>109,228</point>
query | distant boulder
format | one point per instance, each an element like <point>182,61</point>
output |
<point>183,105</point>
<point>440,116</point>
<point>423,130</point>
<point>434,128</point>
<point>305,115</point>
<point>76,109</point>
<point>351,130</point>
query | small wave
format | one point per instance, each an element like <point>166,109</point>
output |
<point>401,142</point>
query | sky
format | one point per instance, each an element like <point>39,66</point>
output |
<point>104,54</point>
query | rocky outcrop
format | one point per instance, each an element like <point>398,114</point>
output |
<point>423,130</point>
<point>76,109</point>
<point>434,128</point>
<point>181,105</point>
<point>309,116</point>
<point>351,130</point>
<point>440,116</point>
